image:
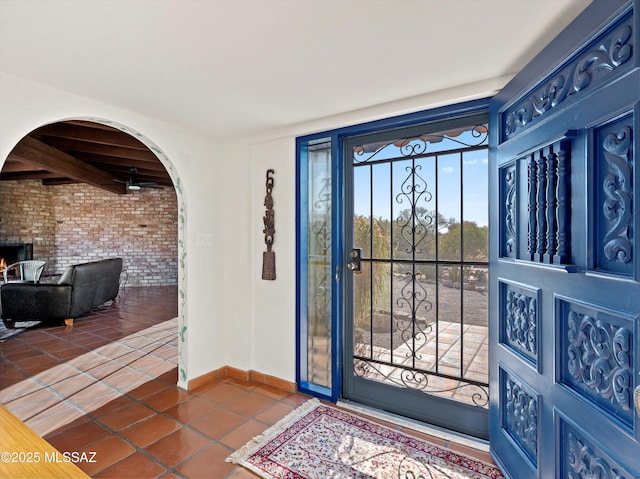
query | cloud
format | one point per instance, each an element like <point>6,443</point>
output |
<point>485,161</point>
<point>448,169</point>
<point>470,162</point>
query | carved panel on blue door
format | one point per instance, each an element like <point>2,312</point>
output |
<point>597,358</point>
<point>599,62</point>
<point>519,318</point>
<point>614,190</point>
<point>581,458</point>
<point>520,414</point>
<point>508,211</point>
<point>548,183</point>
<point>542,234</point>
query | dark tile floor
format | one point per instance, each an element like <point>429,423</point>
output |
<point>108,385</point>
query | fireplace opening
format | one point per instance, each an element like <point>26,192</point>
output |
<point>13,252</point>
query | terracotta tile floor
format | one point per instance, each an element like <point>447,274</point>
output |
<point>108,385</point>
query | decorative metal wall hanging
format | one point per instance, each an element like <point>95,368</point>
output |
<point>269,257</point>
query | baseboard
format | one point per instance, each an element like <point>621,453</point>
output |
<point>228,372</point>
<point>204,379</point>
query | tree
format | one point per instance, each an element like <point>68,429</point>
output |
<point>476,242</point>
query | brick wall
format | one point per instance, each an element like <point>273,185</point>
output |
<point>70,224</point>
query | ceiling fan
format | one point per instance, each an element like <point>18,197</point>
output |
<point>134,185</point>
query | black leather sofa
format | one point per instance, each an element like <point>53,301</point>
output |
<point>81,288</point>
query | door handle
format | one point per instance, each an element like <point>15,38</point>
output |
<point>355,264</point>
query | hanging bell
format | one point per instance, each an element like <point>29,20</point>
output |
<point>269,265</point>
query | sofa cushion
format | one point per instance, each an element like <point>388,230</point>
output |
<point>93,284</point>
<point>35,302</point>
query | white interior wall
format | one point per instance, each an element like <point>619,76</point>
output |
<point>234,317</point>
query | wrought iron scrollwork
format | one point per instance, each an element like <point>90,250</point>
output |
<point>414,296</point>
<point>418,145</point>
<point>417,379</point>
<point>414,228</point>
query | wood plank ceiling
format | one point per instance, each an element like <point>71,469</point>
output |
<point>84,152</point>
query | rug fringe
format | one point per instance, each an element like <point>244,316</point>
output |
<point>282,425</point>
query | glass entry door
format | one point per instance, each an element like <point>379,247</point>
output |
<point>416,275</point>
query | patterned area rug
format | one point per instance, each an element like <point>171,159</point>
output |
<point>19,326</point>
<point>317,441</point>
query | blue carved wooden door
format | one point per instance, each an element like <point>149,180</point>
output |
<point>565,262</point>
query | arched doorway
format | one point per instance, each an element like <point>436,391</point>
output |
<point>120,163</point>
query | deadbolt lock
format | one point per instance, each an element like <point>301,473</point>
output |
<point>356,260</point>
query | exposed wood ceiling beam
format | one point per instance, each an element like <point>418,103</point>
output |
<point>37,175</point>
<point>58,181</point>
<point>91,124</point>
<point>66,144</point>
<point>91,135</point>
<point>18,167</point>
<point>98,146</point>
<point>35,152</point>
<point>112,160</point>
<point>141,174</point>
